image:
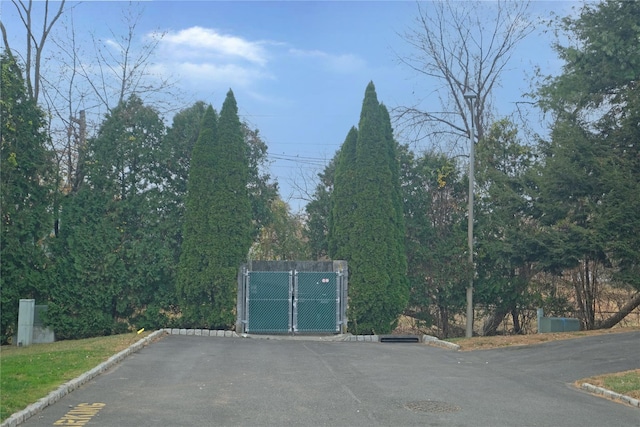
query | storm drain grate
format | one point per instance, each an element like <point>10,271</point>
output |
<point>431,406</point>
<point>399,338</point>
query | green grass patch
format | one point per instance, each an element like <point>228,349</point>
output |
<point>627,383</point>
<point>30,373</point>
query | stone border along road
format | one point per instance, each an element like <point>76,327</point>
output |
<point>66,388</point>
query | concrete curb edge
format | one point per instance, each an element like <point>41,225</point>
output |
<point>66,388</point>
<point>437,342</point>
<point>610,394</point>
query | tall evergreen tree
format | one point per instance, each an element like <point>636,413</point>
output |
<point>193,281</point>
<point>372,238</point>
<point>26,186</point>
<point>507,247</point>
<point>590,178</point>
<point>112,260</point>
<point>436,240</point>
<point>177,153</point>
<point>342,205</point>
<point>218,229</point>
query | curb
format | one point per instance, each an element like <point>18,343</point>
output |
<point>201,332</point>
<point>437,342</point>
<point>426,339</point>
<point>66,388</point>
<point>610,394</point>
<point>362,338</point>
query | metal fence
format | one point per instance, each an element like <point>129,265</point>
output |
<point>283,302</point>
<point>268,302</point>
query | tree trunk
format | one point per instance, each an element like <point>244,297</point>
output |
<point>517,329</point>
<point>633,303</point>
<point>490,325</point>
<point>444,321</point>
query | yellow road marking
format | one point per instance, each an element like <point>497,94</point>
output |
<point>80,415</point>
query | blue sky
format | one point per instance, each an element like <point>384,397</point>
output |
<point>298,69</point>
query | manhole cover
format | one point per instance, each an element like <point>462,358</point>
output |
<point>431,406</point>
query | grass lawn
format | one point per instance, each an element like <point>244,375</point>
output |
<point>30,373</point>
<point>627,383</point>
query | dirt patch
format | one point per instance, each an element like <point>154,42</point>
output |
<point>481,343</point>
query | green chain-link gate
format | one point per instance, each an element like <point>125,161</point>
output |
<point>293,302</point>
<point>316,302</point>
<point>269,302</point>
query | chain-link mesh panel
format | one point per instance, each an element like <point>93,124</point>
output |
<point>269,302</point>
<point>316,302</point>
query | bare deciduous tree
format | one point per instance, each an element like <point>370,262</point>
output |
<point>460,48</point>
<point>77,83</point>
<point>121,67</point>
<point>35,41</point>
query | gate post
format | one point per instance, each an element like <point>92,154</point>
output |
<point>241,307</point>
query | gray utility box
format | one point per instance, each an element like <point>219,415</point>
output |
<point>556,324</point>
<point>31,328</point>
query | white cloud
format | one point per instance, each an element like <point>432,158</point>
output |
<point>208,42</point>
<point>224,74</point>
<point>200,55</point>
<point>344,63</point>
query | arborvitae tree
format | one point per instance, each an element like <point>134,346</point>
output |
<point>25,191</point>
<point>218,228</point>
<point>87,267</point>
<point>193,282</point>
<point>341,218</point>
<point>177,152</point>
<point>112,260</point>
<point>372,238</point>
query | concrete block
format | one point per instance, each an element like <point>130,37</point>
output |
<point>10,422</point>
<point>633,402</point>
<point>190,332</point>
<point>175,331</point>
<point>360,337</point>
<point>445,344</point>
<point>588,387</point>
<point>197,332</point>
<point>183,332</point>
<point>228,333</point>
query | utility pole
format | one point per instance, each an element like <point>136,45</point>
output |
<point>75,177</point>
<point>469,331</point>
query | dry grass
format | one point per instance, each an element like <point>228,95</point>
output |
<point>481,343</point>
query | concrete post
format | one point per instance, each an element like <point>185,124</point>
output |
<point>26,311</point>
<point>540,315</point>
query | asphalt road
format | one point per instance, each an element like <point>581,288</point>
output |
<point>206,381</point>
